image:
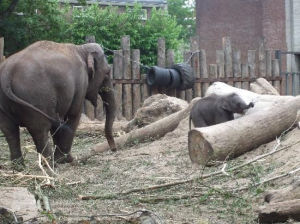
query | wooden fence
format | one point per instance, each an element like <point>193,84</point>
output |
<point>130,85</point>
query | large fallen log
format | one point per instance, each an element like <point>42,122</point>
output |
<point>289,193</point>
<point>221,88</point>
<point>151,131</point>
<point>280,212</point>
<point>262,86</point>
<point>233,138</point>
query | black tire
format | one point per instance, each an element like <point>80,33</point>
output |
<point>187,75</point>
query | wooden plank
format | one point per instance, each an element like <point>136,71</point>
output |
<point>203,71</point>
<point>237,67</point>
<point>252,63</point>
<point>127,89</point>
<point>145,88</point>
<point>189,92</point>
<point>117,74</point>
<point>213,71</point>
<point>220,63</point>
<point>170,60</point>
<point>195,63</point>
<point>268,62</point>
<point>245,74</point>
<point>161,62</point>
<point>276,73</point>
<point>1,49</point>
<point>227,57</point>
<point>261,59</point>
<point>136,96</point>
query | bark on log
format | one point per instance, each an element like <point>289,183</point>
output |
<point>279,212</point>
<point>221,88</point>
<point>154,130</point>
<point>289,193</point>
<point>262,86</point>
<point>233,138</point>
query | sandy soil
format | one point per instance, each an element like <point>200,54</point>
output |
<point>154,163</point>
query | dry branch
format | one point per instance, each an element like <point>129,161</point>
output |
<point>236,137</point>
<point>152,131</point>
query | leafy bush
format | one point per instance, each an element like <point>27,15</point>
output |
<point>47,20</point>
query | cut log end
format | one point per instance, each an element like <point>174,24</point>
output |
<point>200,150</point>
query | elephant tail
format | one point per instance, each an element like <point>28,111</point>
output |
<point>6,80</point>
<point>190,119</point>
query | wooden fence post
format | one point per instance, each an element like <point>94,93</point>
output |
<point>127,93</point>
<point>189,92</point>
<point>245,74</point>
<point>170,59</point>
<point>261,59</point>
<point>268,63</point>
<point>203,71</point>
<point>1,49</point>
<point>276,73</point>
<point>117,75</point>
<point>195,64</point>
<point>213,71</point>
<point>228,57</point>
<point>136,75</point>
<point>161,62</point>
<point>237,67</point>
<point>251,63</point>
<point>220,63</point>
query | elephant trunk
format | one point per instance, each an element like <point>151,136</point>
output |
<point>107,94</point>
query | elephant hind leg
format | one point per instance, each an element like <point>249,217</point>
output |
<point>63,139</point>
<point>11,132</point>
<point>41,141</point>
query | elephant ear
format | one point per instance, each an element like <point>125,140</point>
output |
<point>225,105</point>
<point>91,66</point>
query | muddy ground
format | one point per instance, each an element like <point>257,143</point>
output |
<point>155,162</point>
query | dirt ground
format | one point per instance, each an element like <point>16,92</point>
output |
<point>141,165</point>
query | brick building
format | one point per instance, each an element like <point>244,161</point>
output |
<point>247,22</point>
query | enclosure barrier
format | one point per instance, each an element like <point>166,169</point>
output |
<point>130,85</point>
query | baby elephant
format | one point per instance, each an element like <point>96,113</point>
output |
<point>215,109</point>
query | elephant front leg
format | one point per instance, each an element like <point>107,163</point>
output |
<point>63,138</point>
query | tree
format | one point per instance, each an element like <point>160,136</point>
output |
<point>184,12</point>
<point>29,21</point>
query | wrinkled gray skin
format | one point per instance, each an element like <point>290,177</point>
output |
<point>215,109</point>
<point>43,88</point>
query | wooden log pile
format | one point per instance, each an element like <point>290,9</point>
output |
<point>270,116</point>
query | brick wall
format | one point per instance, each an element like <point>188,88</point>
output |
<point>245,21</point>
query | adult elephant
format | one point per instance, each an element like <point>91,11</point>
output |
<point>43,88</point>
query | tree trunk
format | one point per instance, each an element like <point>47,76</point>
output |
<point>221,88</point>
<point>262,86</point>
<point>279,212</point>
<point>233,138</point>
<point>151,131</point>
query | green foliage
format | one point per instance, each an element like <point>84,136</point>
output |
<point>32,20</point>
<point>108,26</point>
<point>47,20</point>
<point>184,13</point>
